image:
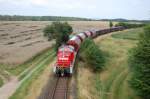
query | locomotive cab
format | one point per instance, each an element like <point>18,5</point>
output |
<point>65,60</point>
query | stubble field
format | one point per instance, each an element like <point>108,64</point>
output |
<point>21,40</point>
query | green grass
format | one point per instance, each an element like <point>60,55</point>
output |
<point>108,83</point>
<point>1,82</point>
<point>117,85</point>
<point>114,82</point>
<point>98,85</point>
<point>24,87</point>
<point>127,94</point>
<point>38,61</point>
<point>132,34</point>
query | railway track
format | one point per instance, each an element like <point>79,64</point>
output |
<point>58,89</point>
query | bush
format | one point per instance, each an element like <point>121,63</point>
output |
<point>139,62</point>
<point>92,55</point>
<point>59,31</point>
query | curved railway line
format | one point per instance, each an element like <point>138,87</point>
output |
<point>59,87</point>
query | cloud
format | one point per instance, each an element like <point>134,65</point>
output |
<point>132,9</point>
<point>40,2</point>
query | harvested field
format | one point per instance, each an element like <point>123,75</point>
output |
<point>20,40</point>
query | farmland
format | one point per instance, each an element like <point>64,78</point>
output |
<point>19,41</point>
<point>27,56</point>
<point>24,53</point>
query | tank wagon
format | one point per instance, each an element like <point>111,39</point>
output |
<point>66,54</point>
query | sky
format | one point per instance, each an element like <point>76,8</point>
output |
<point>99,9</point>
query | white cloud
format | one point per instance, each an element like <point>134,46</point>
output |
<point>80,8</point>
<point>39,2</point>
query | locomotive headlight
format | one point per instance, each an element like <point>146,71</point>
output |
<point>63,58</point>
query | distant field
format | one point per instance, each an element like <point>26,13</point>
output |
<point>20,40</point>
<point>132,34</point>
<point>112,82</point>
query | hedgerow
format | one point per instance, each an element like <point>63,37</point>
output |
<point>92,55</point>
<point>139,62</point>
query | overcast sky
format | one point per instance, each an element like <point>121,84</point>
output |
<point>129,9</point>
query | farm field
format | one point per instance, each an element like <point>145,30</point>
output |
<point>35,69</point>
<point>86,49</point>
<point>21,40</point>
<point>23,52</point>
<point>112,82</point>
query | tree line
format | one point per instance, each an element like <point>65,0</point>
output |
<point>130,25</point>
<point>40,18</point>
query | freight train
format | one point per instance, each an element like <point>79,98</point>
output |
<point>66,54</point>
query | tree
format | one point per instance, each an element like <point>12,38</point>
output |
<point>110,24</point>
<point>139,62</point>
<point>59,31</point>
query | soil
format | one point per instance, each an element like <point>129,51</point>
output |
<point>9,88</point>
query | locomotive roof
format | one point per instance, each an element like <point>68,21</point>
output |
<point>66,48</point>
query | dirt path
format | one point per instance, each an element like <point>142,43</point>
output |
<point>13,83</point>
<point>9,88</point>
<point>118,84</point>
<point>41,81</point>
<point>10,85</point>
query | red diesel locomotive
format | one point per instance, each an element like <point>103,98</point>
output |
<point>66,54</point>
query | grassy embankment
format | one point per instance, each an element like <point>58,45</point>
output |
<point>29,72</point>
<point>112,82</point>
<point>23,69</point>
<point>16,70</point>
<point>28,80</point>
